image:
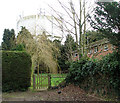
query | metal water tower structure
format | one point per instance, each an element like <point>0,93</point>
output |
<point>37,24</point>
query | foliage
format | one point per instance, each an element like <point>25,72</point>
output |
<point>102,75</point>
<point>76,75</point>
<point>19,47</point>
<point>65,52</point>
<point>16,71</point>
<point>8,39</point>
<point>69,46</point>
<point>111,68</point>
<point>107,21</point>
<point>70,43</point>
<point>93,36</point>
<point>40,48</point>
<point>62,59</point>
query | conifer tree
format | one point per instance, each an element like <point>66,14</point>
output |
<point>8,39</point>
<point>107,21</point>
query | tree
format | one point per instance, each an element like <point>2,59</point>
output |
<point>61,57</point>
<point>93,36</point>
<point>74,23</point>
<point>65,52</point>
<point>70,46</point>
<point>107,21</point>
<point>8,39</point>
<point>40,48</point>
<point>19,47</point>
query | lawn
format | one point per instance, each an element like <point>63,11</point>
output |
<point>55,80</point>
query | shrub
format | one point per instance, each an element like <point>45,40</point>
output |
<point>76,75</point>
<point>110,68</point>
<point>102,75</point>
<point>19,47</point>
<point>16,71</point>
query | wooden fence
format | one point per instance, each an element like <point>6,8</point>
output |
<point>46,81</point>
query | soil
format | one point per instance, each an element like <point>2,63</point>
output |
<point>68,93</point>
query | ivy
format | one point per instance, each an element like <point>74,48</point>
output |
<point>98,74</point>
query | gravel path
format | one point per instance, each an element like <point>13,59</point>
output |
<point>69,93</point>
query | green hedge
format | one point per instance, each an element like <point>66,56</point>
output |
<point>101,76</point>
<point>76,74</point>
<point>16,71</point>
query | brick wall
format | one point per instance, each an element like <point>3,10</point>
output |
<point>101,50</point>
<point>96,49</point>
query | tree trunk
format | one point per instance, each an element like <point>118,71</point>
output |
<point>80,28</point>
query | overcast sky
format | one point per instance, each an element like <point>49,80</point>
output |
<point>11,9</point>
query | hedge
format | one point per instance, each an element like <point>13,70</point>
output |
<point>101,76</point>
<point>16,71</point>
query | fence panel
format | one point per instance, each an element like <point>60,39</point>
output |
<point>46,81</point>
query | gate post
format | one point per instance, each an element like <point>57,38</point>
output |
<point>34,82</point>
<point>49,81</point>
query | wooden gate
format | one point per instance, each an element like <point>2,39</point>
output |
<point>46,81</point>
<point>41,81</point>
